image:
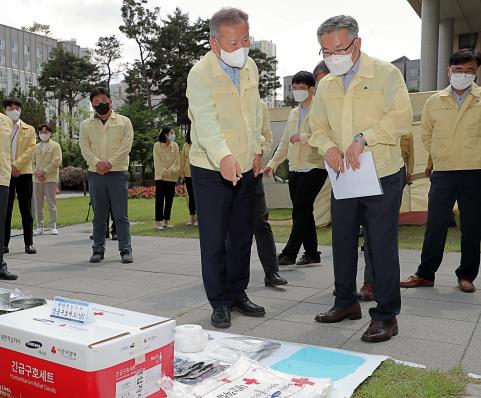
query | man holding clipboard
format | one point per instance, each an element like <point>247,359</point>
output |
<point>362,105</point>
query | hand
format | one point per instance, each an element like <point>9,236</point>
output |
<point>267,171</point>
<point>257,165</point>
<point>230,169</point>
<point>409,178</point>
<point>352,155</point>
<point>295,138</point>
<point>428,172</point>
<point>103,167</point>
<point>41,178</point>
<point>334,159</point>
<point>15,171</point>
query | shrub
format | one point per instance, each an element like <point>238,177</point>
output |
<point>149,192</point>
<point>72,177</point>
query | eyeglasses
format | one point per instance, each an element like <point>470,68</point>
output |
<point>325,53</point>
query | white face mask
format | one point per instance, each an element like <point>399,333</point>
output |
<point>13,114</point>
<point>235,59</point>
<point>339,64</point>
<point>461,81</point>
<point>172,137</point>
<point>44,137</point>
<point>300,95</point>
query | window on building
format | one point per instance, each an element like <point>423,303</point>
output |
<point>39,68</point>
<point>28,64</point>
<point>2,60</point>
<point>2,44</point>
<point>26,48</point>
<point>39,52</point>
<point>28,81</point>
<point>14,46</point>
<point>3,75</point>
<point>14,62</point>
<point>468,40</point>
<point>414,72</point>
<point>16,78</point>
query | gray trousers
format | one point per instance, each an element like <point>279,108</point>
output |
<point>42,191</point>
<point>110,188</point>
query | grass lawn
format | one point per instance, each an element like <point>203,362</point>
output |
<point>390,380</point>
<point>74,210</point>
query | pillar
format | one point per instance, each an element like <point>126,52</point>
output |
<point>429,44</point>
<point>445,49</point>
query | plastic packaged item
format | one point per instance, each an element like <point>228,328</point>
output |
<point>246,379</point>
<point>232,348</point>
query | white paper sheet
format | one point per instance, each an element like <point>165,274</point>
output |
<point>355,184</point>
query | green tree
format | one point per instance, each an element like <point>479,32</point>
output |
<point>146,124</point>
<point>69,78</point>
<point>107,52</point>
<point>141,25</point>
<point>268,79</point>
<point>38,28</point>
<point>179,46</point>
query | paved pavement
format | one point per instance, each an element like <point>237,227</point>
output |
<point>439,327</point>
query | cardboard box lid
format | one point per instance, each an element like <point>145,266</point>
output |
<point>110,323</point>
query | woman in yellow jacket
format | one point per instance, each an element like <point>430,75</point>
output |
<point>167,170</point>
<point>185,175</point>
<point>47,159</point>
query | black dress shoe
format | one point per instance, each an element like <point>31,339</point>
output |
<point>248,308</point>
<point>380,331</point>
<point>307,259</point>
<point>126,257</point>
<point>336,314</point>
<point>274,279</point>
<point>29,249</point>
<point>96,257</point>
<point>284,260</point>
<point>4,274</point>
<point>6,250</point>
<point>220,317</point>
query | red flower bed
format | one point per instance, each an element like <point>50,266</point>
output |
<point>149,192</point>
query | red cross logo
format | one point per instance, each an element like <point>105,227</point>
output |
<point>302,382</point>
<point>251,381</point>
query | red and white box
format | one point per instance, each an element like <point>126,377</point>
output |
<point>121,354</point>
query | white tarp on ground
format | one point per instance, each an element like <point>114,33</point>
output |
<point>346,369</point>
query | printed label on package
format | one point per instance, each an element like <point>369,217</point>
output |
<point>70,310</point>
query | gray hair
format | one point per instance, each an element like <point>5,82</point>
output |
<point>227,16</point>
<point>337,23</point>
<point>321,67</point>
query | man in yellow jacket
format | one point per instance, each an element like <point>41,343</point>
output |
<point>362,105</point>
<point>451,133</point>
<point>307,174</point>
<point>225,157</point>
<point>22,147</point>
<point>105,142</point>
<point>6,126</point>
<point>47,160</point>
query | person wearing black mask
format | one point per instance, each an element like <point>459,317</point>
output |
<point>105,142</point>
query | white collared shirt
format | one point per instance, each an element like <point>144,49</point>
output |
<point>15,133</point>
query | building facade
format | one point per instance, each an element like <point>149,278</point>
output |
<point>268,48</point>
<point>446,26</point>
<point>411,71</point>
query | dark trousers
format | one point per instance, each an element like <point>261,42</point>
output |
<point>190,192</point>
<point>226,225</point>
<point>266,248</point>
<point>105,190</point>
<point>3,214</point>
<point>446,188</point>
<point>303,190</point>
<point>164,197</point>
<point>110,215</point>
<point>23,187</point>
<point>381,217</point>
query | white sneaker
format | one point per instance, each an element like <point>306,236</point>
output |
<point>168,225</point>
<point>38,231</point>
<point>53,231</point>
<point>159,227</point>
